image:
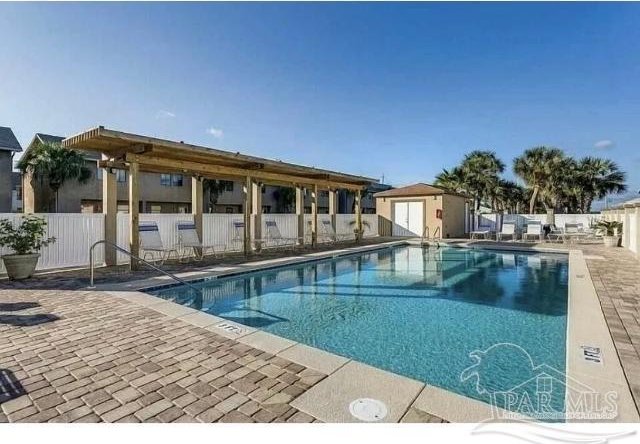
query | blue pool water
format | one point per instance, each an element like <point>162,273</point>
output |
<point>416,312</point>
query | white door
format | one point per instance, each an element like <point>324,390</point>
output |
<point>407,219</point>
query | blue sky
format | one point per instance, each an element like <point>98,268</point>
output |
<point>400,90</point>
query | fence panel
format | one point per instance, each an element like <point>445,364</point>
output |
<point>633,232</point>
<point>217,230</point>
<point>587,220</point>
<point>74,233</point>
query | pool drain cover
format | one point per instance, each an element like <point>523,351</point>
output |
<point>369,410</point>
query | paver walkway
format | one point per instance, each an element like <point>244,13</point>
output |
<point>88,356</point>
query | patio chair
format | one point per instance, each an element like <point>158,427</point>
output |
<point>533,229</point>
<point>189,240</point>
<point>482,230</point>
<point>238,237</point>
<point>573,232</point>
<point>152,246</point>
<point>274,238</point>
<point>327,231</point>
<point>508,229</point>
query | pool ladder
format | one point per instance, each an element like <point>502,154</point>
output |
<point>425,240</point>
<point>133,257</point>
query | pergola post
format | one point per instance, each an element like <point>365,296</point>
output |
<point>358,215</point>
<point>256,193</point>
<point>110,212</point>
<point>28,194</point>
<point>247,189</point>
<point>333,210</point>
<point>134,216</point>
<point>300,213</point>
<point>196,205</point>
<point>314,216</point>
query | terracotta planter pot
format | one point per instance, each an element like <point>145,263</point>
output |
<point>20,266</point>
<point>611,241</point>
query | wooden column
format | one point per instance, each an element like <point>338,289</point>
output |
<point>358,215</point>
<point>196,205</point>
<point>134,216</point>
<point>28,194</point>
<point>333,211</point>
<point>247,189</point>
<point>256,194</point>
<point>300,213</point>
<point>314,216</point>
<point>110,212</point>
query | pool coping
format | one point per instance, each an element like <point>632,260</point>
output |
<point>443,403</point>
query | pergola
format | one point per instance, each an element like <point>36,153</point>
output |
<point>137,153</point>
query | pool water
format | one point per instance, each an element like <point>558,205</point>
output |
<point>413,311</point>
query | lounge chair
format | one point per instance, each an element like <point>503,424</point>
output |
<point>238,237</point>
<point>328,232</point>
<point>151,244</point>
<point>508,229</point>
<point>189,240</point>
<point>533,229</point>
<point>482,230</point>
<point>274,238</point>
<point>573,232</point>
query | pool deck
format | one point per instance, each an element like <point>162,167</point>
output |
<point>113,354</point>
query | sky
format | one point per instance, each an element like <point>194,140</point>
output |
<point>398,91</point>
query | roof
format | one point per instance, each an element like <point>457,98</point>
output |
<point>8,141</point>
<point>418,189</point>
<point>48,138</point>
<point>160,155</point>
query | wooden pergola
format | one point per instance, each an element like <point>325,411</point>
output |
<point>137,153</point>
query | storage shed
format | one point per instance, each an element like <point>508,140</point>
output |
<point>422,210</point>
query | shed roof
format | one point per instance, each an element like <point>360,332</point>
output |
<point>160,155</point>
<point>418,189</point>
<point>8,141</point>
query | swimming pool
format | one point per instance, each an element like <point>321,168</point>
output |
<point>413,311</point>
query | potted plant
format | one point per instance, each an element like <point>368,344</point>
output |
<point>25,240</point>
<point>612,231</point>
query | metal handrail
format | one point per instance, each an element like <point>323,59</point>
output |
<point>132,256</point>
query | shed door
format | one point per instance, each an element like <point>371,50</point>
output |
<point>408,219</point>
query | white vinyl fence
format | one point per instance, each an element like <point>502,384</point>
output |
<point>494,221</point>
<point>75,233</point>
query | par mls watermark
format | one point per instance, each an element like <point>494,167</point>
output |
<point>517,388</point>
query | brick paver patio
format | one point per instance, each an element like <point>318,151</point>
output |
<point>71,356</point>
<point>89,356</point>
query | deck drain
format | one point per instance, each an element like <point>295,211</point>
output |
<point>369,410</point>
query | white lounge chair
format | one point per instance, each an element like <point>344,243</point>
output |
<point>482,230</point>
<point>533,229</point>
<point>573,232</point>
<point>274,238</point>
<point>508,229</point>
<point>189,240</point>
<point>328,232</point>
<point>151,244</point>
<point>238,238</point>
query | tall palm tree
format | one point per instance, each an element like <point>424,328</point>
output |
<point>52,163</point>
<point>453,180</point>
<point>537,166</point>
<point>285,197</point>
<point>213,188</point>
<point>597,178</point>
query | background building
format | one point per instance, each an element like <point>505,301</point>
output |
<point>171,193</point>
<point>9,145</point>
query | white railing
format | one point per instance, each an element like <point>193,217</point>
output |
<point>74,234</point>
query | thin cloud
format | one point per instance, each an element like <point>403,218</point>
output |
<point>164,114</point>
<point>605,144</point>
<point>215,132</point>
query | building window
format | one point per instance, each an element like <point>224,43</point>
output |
<point>227,185</point>
<point>165,180</point>
<point>19,192</point>
<point>266,209</point>
<point>156,209</point>
<point>184,209</point>
<point>99,174</point>
<point>121,175</point>
<point>171,180</point>
<point>228,210</point>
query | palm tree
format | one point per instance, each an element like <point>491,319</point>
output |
<point>453,180</point>
<point>537,166</point>
<point>53,163</point>
<point>597,178</point>
<point>213,188</point>
<point>285,197</point>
